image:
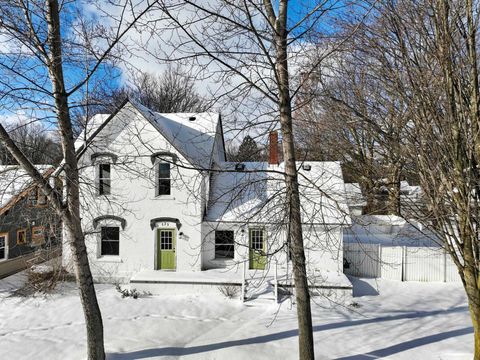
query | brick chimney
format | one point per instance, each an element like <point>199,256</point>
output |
<point>273,148</point>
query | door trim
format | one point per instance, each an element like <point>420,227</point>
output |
<point>157,248</point>
<point>250,249</point>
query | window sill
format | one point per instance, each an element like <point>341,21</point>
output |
<point>223,260</point>
<point>110,259</point>
<point>164,197</point>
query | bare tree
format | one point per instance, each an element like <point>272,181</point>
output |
<point>172,92</point>
<point>48,45</point>
<point>425,61</point>
<point>358,121</point>
<point>253,44</point>
<point>35,139</point>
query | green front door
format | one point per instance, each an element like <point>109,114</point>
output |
<point>166,249</point>
<point>257,249</point>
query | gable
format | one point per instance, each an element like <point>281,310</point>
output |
<point>193,140</point>
<point>15,183</point>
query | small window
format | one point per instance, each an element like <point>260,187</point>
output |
<point>166,240</point>
<point>257,239</point>
<point>104,180</point>
<point>59,186</point>
<point>163,179</point>
<point>3,244</point>
<point>21,236</point>
<point>32,198</point>
<point>38,235</point>
<point>41,198</point>
<point>110,244</point>
<point>224,247</point>
<point>36,198</point>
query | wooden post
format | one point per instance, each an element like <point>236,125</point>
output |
<point>444,265</point>
<point>276,281</point>
<point>243,282</point>
<point>379,259</point>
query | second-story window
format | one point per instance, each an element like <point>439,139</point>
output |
<point>163,178</point>
<point>41,198</point>
<point>36,198</point>
<point>104,179</point>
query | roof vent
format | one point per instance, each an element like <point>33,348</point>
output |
<point>239,167</point>
<point>192,118</point>
<point>307,167</point>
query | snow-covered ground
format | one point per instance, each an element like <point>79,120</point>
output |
<point>392,320</point>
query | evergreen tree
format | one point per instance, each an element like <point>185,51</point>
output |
<point>248,150</point>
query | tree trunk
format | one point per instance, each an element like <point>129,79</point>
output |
<point>92,314</point>
<point>394,200</point>
<point>475,316</point>
<point>305,329</point>
<point>370,197</point>
<point>72,221</point>
<point>304,315</point>
<point>473,294</point>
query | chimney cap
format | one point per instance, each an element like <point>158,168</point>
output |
<point>307,167</point>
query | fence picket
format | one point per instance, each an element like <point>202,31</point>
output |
<point>399,263</point>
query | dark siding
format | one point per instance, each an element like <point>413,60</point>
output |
<point>21,216</point>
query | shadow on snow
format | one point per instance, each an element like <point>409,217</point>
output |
<point>178,351</point>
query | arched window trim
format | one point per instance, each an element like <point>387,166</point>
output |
<point>154,222</point>
<point>161,155</point>
<point>97,220</point>
<point>110,155</point>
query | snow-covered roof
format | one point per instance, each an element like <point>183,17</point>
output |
<point>14,179</point>
<point>389,230</point>
<point>92,125</point>
<point>192,134</point>
<point>257,194</point>
<point>410,190</point>
<point>354,195</point>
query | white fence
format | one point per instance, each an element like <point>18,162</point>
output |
<point>399,263</point>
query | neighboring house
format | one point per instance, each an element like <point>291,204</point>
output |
<point>355,199</point>
<point>27,222</point>
<point>158,194</point>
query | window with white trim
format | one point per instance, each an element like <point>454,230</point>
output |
<point>3,244</point>
<point>104,179</point>
<point>224,244</point>
<point>163,179</point>
<point>110,240</point>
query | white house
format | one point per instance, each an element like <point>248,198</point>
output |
<point>159,198</point>
<point>355,199</point>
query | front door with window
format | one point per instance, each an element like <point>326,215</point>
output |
<point>166,249</point>
<point>257,256</point>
